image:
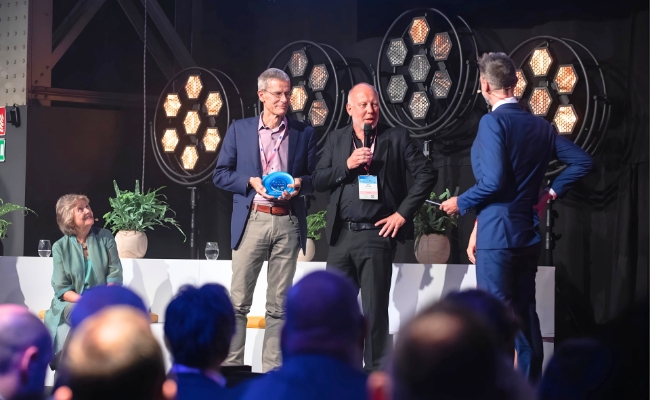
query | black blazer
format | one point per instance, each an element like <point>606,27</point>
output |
<point>394,156</point>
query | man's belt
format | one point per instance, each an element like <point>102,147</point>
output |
<point>273,210</point>
<point>359,226</point>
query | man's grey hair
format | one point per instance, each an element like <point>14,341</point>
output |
<point>358,85</point>
<point>271,73</point>
<point>498,69</point>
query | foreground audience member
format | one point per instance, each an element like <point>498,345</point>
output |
<point>83,258</point>
<point>199,324</point>
<point>114,355</point>
<point>448,352</point>
<point>322,344</point>
<point>25,351</point>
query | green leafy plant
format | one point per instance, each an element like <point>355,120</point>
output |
<point>431,219</point>
<point>315,222</point>
<point>137,211</point>
<point>6,208</point>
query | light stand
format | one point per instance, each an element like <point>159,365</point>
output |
<point>193,251</point>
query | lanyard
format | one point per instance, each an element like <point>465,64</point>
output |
<point>372,151</point>
<point>267,161</point>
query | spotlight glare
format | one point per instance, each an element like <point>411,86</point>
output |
<point>172,105</point>
<point>298,98</point>
<point>419,105</point>
<point>540,62</point>
<point>318,77</point>
<point>441,84</point>
<point>419,68</point>
<point>441,46</point>
<point>193,87</point>
<point>566,79</point>
<point>170,140</point>
<point>192,122</point>
<point>298,63</point>
<point>190,157</point>
<point>520,87</point>
<point>397,88</point>
<point>565,119</point>
<point>213,104</point>
<point>318,113</point>
<point>396,52</point>
<point>211,140</point>
<point>419,30</point>
<point>540,101</point>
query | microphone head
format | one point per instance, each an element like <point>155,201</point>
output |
<point>367,128</point>
<point>367,132</point>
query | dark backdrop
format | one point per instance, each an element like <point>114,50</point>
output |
<point>602,257</point>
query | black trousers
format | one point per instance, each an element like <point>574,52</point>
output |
<point>367,259</point>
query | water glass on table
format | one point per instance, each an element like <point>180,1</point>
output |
<point>212,250</point>
<point>44,248</point>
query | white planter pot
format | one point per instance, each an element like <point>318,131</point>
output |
<point>433,249</point>
<point>310,251</point>
<point>131,244</point>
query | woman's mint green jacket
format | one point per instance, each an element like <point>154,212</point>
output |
<point>69,272</point>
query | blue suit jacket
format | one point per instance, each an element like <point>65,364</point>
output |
<point>239,160</point>
<point>198,387</point>
<point>509,158</point>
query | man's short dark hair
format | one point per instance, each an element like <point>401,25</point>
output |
<point>498,69</point>
<point>199,324</point>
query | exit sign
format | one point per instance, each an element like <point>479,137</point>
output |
<point>2,150</point>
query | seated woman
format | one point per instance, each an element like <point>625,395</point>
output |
<point>83,258</point>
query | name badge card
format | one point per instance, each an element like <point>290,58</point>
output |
<point>368,189</point>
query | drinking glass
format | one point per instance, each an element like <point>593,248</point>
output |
<point>212,250</point>
<point>44,248</point>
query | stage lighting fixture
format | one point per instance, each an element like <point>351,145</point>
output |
<point>318,113</point>
<point>397,88</point>
<point>192,122</point>
<point>170,140</point>
<point>298,98</point>
<point>396,52</point>
<point>440,84</point>
<point>565,79</point>
<point>318,77</point>
<point>419,30</point>
<point>441,46</point>
<point>298,63</point>
<point>213,104</point>
<point>540,101</point>
<point>211,140</point>
<point>419,105</point>
<point>565,119</point>
<point>520,87</point>
<point>190,157</point>
<point>193,87</point>
<point>419,68</point>
<point>172,105</point>
<point>540,62</point>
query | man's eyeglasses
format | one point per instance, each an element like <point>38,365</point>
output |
<point>278,95</point>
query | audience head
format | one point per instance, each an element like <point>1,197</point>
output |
<point>73,213</point>
<point>199,324</point>
<point>494,312</point>
<point>114,355</point>
<point>97,298</point>
<point>323,317</point>
<point>25,351</point>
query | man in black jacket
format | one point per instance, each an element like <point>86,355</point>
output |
<point>370,206</point>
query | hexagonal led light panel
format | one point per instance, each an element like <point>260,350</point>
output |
<point>520,87</point>
<point>540,101</point>
<point>171,105</point>
<point>566,79</point>
<point>213,104</point>
<point>298,98</point>
<point>441,84</point>
<point>540,62</point>
<point>419,30</point>
<point>441,46</point>
<point>192,122</point>
<point>396,52</point>
<point>189,157</point>
<point>318,113</point>
<point>170,140</point>
<point>397,88</point>
<point>193,87</point>
<point>419,68</point>
<point>419,105</point>
<point>318,77</point>
<point>565,119</point>
<point>211,140</point>
<point>298,63</point>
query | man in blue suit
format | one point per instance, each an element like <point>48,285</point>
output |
<point>263,227</point>
<point>509,159</point>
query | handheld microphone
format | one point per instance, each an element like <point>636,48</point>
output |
<point>367,133</point>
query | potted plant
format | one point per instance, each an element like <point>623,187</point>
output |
<point>431,224</point>
<point>4,224</point>
<point>132,213</point>
<point>315,222</point>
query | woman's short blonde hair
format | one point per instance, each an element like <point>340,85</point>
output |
<point>65,212</point>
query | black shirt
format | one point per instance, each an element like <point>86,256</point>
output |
<point>351,208</point>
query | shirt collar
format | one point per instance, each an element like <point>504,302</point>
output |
<point>261,125</point>
<point>213,375</point>
<point>507,100</point>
